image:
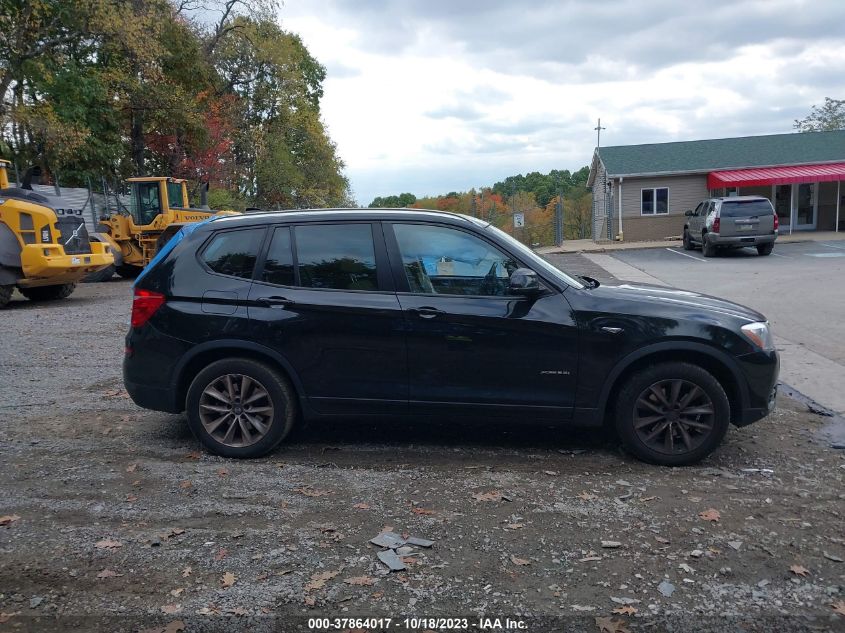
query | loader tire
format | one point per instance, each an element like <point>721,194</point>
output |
<point>128,271</point>
<point>101,275</point>
<point>48,293</point>
<point>5,295</point>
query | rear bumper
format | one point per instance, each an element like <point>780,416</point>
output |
<point>149,373</point>
<point>155,398</point>
<point>741,240</point>
<point>48,265</point>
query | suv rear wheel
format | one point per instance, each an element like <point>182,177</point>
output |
<point>707,248</point>
<point>673,414</point>
<point>241,408</point>
<point>766,249</point>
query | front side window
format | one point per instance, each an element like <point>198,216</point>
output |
<point>441,260</point>
<point>338,256</point>
<point>234,252</point>
<point>654,201</point>
<point>146,202</point>
<point>174,195</point>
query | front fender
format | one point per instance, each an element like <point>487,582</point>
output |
<point>673,346</point>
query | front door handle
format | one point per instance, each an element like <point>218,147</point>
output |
<point>427,312</point>
<point>274,302</point>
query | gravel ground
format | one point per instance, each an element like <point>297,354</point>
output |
<point>115,519</point>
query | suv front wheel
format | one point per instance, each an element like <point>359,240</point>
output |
<point>673,414</point>
<point>241,408</point>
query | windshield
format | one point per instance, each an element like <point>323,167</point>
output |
<point>537,263</point>
<point>746,208</point>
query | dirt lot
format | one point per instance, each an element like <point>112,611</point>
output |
<point>117,521</point>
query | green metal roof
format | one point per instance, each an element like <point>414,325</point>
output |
<point>724,153</point>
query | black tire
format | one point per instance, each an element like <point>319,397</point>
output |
<point>688,245</point>
<point>707,248</point>
<point>48,293</point>
<point>101,275</point>
<point>128,271</point>
<point>6,295</point>
<point>279,394</point>
<point>694,442</point>
<point>765,249</point>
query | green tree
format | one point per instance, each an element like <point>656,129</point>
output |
<point>393,202</point>
<point>282,153</point>
<point>830,116</point>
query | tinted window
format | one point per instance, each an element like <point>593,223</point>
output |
<point>440,260</point>
<point>337,256</point>
<point>278,268</point>
<point>746,208</point>
<point>662,197</point>
<point>654,201</point>
<point>234,252</point>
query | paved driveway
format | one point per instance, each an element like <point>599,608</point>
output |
<point>800,288</point>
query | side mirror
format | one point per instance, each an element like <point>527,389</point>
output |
<point>524,282</point>
<point>688,212</point>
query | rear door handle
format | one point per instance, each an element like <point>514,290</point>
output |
<point>427,312</point>
<point>274,302</point>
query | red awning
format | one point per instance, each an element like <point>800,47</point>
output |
<point>776,175</point>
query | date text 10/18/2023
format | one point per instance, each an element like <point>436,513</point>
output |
<point>418,623</point>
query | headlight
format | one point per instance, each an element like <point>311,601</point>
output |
<point>760,335</point>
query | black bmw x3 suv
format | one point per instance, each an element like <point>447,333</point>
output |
<point>251,323</point>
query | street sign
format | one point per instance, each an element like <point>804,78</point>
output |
<point>518,220</point>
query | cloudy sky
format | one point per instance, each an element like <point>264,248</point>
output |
<point>430,96</point>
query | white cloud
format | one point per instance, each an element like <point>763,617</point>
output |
<point>430,96</point>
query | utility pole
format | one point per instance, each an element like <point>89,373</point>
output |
<point>598,130</point>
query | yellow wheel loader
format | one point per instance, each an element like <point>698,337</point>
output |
<point>44,245</point>
<point>158,208</point>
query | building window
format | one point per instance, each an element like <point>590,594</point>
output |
<point>654,201</point>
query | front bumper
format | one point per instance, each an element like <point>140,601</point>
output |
<point>761,371</point>
<point>48,265</point>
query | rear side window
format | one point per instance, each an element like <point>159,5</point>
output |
<point>234,252</point>
<point>278,267</point>
<point>746,208</point>
<point>339,256</point>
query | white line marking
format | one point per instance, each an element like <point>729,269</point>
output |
<point>784,256</point>
<point>672,250</point>
<point>841,248</point>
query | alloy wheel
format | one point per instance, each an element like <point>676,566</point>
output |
<point>673,416</point>
<point>236,410</point>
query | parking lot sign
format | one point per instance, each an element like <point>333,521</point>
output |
<point>518,220</point>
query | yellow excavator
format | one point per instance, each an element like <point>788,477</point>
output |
<point>158,208</point>
<point>44,245</point>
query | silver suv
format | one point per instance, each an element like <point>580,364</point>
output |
<point>732,222</point>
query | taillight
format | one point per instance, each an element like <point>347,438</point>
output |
<point>716,224</point>
<point>144,305</point>
<point>776,222</point>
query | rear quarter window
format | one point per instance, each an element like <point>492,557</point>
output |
<point>746,208</point>
<point>233,252</point>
